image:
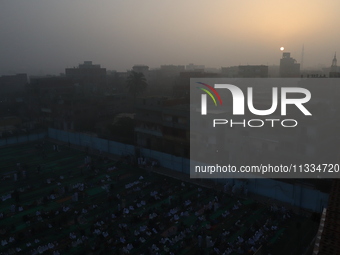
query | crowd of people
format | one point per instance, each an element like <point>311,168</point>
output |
<point>107,209</point>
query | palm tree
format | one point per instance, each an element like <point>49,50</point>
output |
<point>136,84</point>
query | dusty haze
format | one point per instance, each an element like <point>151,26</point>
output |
<point>45,36</point>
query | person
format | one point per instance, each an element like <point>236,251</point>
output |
<point>199,241</point>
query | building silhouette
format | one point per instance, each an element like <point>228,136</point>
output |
<point>91,78</point>
<point>245,71</point>
<point>288,66</point>
<point>334,70</point>
<point>253,71</point>
<point>10,84</point>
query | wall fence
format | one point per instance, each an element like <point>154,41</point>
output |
<point>294,194</point>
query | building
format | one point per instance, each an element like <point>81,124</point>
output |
<point>140,69</point>
<point>10,84</point>
<point>163,125</point>
<point>192,67</point>
<point>52,100</point>
<point>91,78</point>
<point>253,71</point>
<point>245,71</point>
<point>334,70</point>
<point>182,87</point>
<point>230,72</point>
<point>274,71</point>
<point>288,66</point>
<point>171,70</point>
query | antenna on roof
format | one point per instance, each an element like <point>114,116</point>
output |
<point>302,55</point>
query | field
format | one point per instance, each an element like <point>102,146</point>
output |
<point>57,203</point>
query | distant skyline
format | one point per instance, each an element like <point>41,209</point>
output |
<point>42,37</point>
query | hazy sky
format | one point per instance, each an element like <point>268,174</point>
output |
<point>45,36</point>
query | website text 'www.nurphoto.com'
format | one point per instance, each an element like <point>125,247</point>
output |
<point>268,168</point>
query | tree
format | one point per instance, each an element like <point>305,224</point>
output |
<point>136,84</point>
